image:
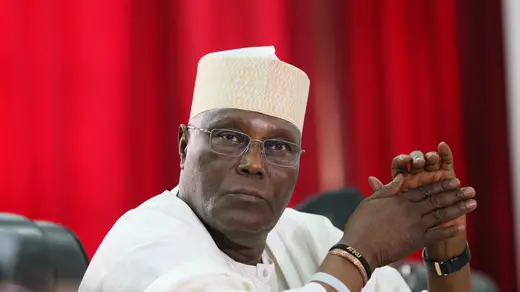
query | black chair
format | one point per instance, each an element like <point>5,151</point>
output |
<point>24,258</point>
<point>336,205</point>
<point>39,255</point>
<point>66,253</point>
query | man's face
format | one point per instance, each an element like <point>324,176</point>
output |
<point>236,194</point>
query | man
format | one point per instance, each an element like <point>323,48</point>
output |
<point>226,226</point>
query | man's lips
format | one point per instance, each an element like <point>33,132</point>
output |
<point>248,192</point>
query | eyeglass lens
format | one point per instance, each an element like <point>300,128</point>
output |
<point>233,143</point>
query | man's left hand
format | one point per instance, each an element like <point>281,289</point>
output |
<point>419,170</point>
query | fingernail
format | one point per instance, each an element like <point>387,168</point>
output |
<point>468,191</point>
<point>471,204</point>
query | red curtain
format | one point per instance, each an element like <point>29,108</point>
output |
<point>92,93</point>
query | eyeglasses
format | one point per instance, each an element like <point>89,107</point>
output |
<point>234,143</point>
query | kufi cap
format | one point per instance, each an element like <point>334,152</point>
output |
<point>252,79</point>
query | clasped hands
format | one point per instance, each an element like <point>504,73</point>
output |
<point>424,206</point>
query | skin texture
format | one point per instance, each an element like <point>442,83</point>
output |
<point>239,223</point>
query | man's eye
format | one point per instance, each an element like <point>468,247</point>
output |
<point>279,146</point>
<point>230,137</point>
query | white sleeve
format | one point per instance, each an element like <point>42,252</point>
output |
<point>218,283</point>
<point>201,281</point>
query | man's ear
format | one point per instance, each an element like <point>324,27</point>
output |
<point>183,143</point>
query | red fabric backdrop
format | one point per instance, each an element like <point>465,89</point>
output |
<point>92,93</point>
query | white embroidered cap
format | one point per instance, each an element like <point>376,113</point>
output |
<point>251,79</point>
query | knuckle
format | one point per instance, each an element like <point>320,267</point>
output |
<point>385,190</point>
<point>434,202</point>
<point>459,194</point>
<point>439,215</point>
<point>445,185</point>
<point>425,192</point>
<point>392,188</point>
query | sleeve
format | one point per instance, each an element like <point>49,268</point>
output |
<point>215,283</point>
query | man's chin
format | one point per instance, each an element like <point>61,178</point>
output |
<point>246,223</point>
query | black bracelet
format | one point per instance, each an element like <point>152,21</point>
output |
<point>355,253</point>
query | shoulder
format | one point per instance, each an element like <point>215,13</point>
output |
<point>163,219</point>
<point>149,241</point>
<point>309,235</point>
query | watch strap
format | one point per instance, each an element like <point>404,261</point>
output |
<point>444,268</point>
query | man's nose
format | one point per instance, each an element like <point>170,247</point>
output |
<point>252,161</point>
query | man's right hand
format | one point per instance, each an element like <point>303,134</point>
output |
<point>388,226</point>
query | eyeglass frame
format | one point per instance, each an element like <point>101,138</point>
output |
<point>247,148</point>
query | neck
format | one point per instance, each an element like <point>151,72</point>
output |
<point>242,247</point>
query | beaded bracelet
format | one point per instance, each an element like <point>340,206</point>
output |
<point>364,267</point>
<point>353,260</point>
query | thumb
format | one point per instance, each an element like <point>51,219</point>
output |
<point>390,189</point>
<point>374,183</point>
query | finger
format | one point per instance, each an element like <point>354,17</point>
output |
<point>433,161</point>
<point>446,199</point>
<point>374,183</point>
<point>436,235</point>
<point>446,156</point>
<point>400,164</point>
<point>444,215</point>
<point>418,161</point>
<point>390,189</point>
<point>425,192</point>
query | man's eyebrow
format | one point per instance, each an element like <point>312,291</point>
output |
<point>284,134</point>
<point>223,122</point>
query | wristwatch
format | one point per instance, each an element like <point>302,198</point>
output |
<point>444,268</point>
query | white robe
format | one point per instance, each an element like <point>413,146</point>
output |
<point>162,246</point>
